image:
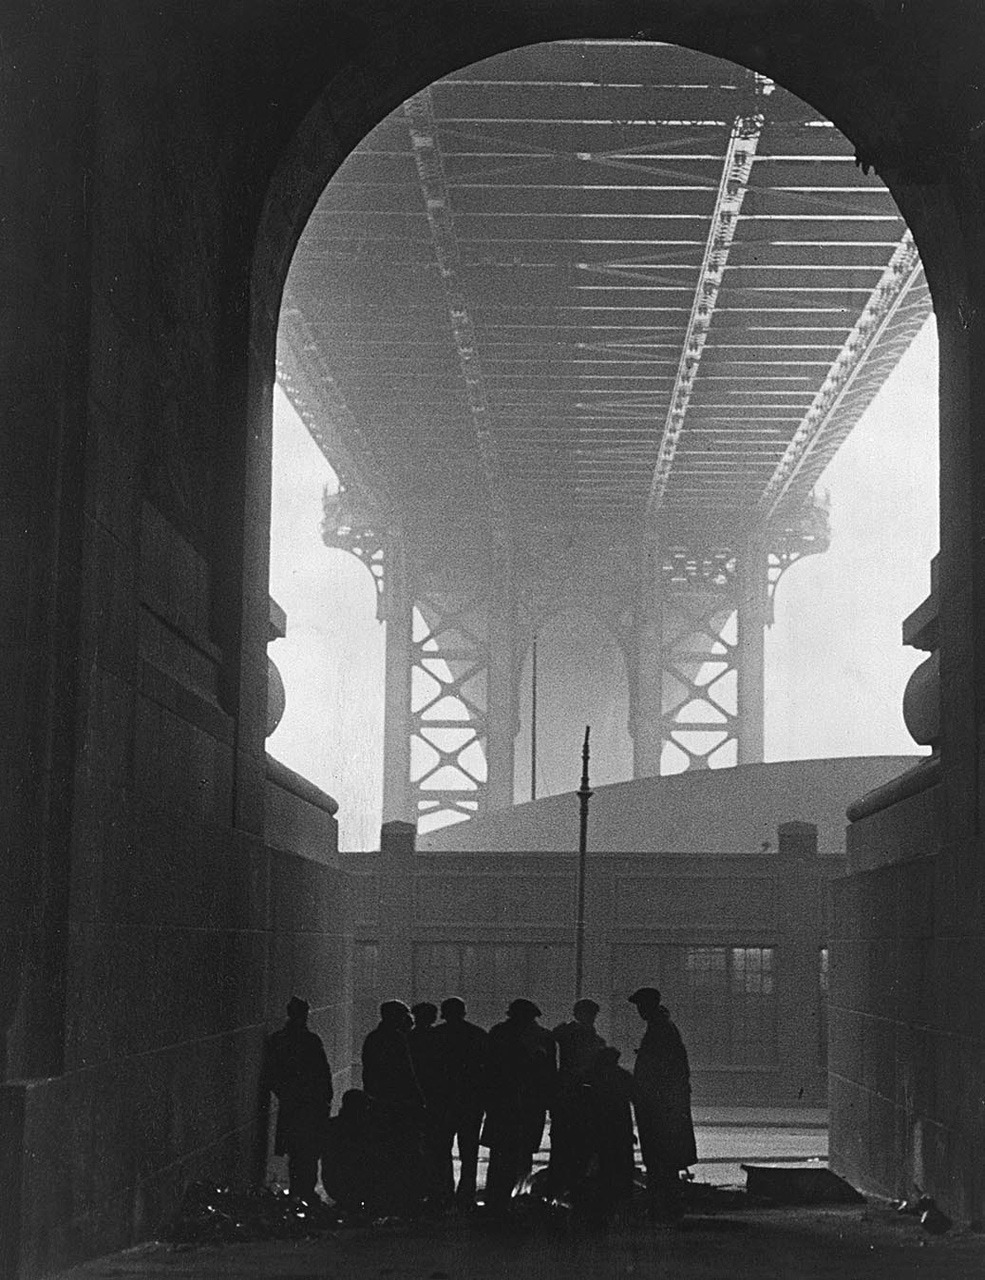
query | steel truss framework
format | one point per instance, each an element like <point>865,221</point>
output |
<point>700,721</point>
<point>422,127</point>
<point>354,523</point>
<point>598,289</point>
<point>449,702</point>
<point>601,281</point>
<point>740,152</point>
<point>705,713</point>
<point>809,534</point>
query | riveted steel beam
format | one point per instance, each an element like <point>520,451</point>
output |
<point>307,382</point>
<point>736,172</point>
<point>422,126</point>
<point>894,284</point>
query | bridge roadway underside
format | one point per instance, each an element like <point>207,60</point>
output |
<point>581,326</point>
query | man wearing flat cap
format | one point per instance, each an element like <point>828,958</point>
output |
<point>521,1077</point>
<point>296,1071</point>
<point>662,1102</point>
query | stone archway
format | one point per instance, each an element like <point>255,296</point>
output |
<point>840,62</point>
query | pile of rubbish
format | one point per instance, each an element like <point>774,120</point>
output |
<point>210,1214</point>
<point>925,1209</point>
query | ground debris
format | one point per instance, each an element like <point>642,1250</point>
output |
<point>211,1214</point>
<point>804,1184</point>
<point>932,1218</point>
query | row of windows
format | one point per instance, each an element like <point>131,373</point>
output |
<point>722,998</point>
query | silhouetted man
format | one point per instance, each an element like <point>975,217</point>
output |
<point>610,1092</point>
<point>388,1070</point>
<point>296,1071</point>
<point>521,1078</point>
<point>578,1045</point>
<point>662,1100</point>
<point>463,1055</point>
<point>397,1100</point>
<point>425,1054</point>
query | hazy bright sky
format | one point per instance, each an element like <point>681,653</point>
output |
<point>836,668</point>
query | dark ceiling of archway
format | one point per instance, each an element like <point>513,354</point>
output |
<point>598,281</point>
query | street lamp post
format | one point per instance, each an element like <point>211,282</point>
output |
<point>584,795</point>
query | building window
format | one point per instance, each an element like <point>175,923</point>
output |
<point>487,976</point>
<point>753,1005</point>
<point>727,1005</point>
<point>823,985</point>
<point>723,998</point>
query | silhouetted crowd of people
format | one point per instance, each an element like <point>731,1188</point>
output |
<point>428,1084</point>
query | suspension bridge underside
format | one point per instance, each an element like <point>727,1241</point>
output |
<point>587,322</point>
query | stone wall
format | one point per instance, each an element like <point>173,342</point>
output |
<point>907,1025</point>
<point>184,940</point>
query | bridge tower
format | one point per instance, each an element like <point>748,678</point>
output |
<point>689,619</point>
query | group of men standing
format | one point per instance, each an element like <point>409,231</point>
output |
<point>429,1083</point>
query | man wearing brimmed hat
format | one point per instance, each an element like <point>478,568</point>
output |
<point>521,1077</point>
<point>662,1102</point>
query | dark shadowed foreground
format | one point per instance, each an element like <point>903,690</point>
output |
<point>830,1243</point>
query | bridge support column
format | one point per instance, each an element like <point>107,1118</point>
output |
<point>697,697</point>
<point>646,718</point>
<point>501,684</point>
<point>396,909</point>
<point>398,613</point>
<point>752,619</point>
<point>697,700</point>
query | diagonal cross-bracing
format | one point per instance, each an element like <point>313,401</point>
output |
<point>419,112</point>
<point>894,284</point>
<point>736,172</point>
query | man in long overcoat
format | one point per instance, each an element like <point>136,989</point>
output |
<point>429,1067</point>
<point>463,1050</point>
<point>296,1071</point>
<point>662,1102</point>
<point>521,1078</point>
<point>397,1104</point>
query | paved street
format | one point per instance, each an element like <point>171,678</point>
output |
<point>723,1240</point>
<point>792,1244</point>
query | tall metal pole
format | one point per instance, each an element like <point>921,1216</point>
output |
<point>584,795</point>
<point>533,723</point>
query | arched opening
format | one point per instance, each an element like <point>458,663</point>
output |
<point>456,370</point>
<point>871,120</point>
